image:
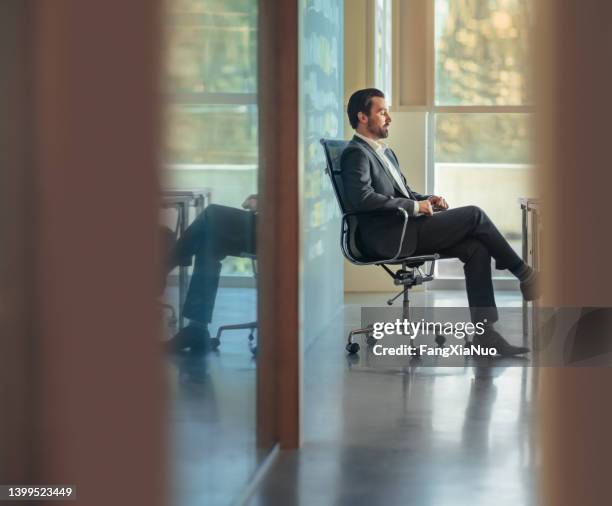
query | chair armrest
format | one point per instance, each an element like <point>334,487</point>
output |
<point>378,212</point>
<point>374,212</point>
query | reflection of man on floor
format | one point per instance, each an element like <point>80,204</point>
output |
<point>373,180</point>
<point>218,232</point>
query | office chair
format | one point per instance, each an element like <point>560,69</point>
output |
<point>408,274</point>
<point>252,326</point>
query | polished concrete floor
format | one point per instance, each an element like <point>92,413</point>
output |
<point>388,436</point>
<point>212,411</point>
<point>398,436</point>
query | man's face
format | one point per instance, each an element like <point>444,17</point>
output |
<point>379,119</point>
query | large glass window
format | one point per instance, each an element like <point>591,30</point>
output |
<point>211,119</point>
<point>482,112</point>
<point>482,52</point>
<point>210,311</point>
<point>484,160</point>
<point>207,136</point>
<point>383,60</point>
<point>212,46</point>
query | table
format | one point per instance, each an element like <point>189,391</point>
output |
<point>182,200</point>
<point>532,247</point>
<point>532,231</point>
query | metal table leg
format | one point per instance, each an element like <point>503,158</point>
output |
<point>182,210</point>
<point>526,260</point>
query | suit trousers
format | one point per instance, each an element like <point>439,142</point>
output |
<point>468,234</point>
<point>218,232</point>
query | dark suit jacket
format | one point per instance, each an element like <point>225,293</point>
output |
<point>367,185</point>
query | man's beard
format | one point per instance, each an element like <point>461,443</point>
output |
<point>380,132</point>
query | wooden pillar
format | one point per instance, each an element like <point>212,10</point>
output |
<point>575,110</point>
<point>81,267</point>
<point>278,368</point>
<point>17,245</point>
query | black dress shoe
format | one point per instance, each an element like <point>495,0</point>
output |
<point>492,339</point>
<point>190,338</point>
<point>531,289</point>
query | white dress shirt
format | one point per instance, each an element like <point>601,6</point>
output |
<point>379,148</point>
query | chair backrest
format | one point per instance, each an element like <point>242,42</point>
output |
<point>333,152</point>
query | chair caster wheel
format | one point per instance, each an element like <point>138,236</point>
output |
<point>352,348</point>
<point>371,340</point>
<point>215,342</point>
<point>440,340</point>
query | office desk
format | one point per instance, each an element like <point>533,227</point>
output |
<point>532,247</point>
<point>182,200</point>
<point>532,231</point>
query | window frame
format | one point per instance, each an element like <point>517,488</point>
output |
<point>414,25</point>
<point>193,98</point>
<point>186,98</point>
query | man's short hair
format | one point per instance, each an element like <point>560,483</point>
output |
<point>361,101</point>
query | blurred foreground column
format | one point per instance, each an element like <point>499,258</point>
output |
<point>575,111</point>
<point>81,371</point>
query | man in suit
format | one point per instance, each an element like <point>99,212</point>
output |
<point>372,179</point>
<point>217,232</point>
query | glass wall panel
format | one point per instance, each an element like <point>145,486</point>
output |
<point>209,213</point>
<point>322,112</point>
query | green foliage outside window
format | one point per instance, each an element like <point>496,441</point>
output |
<point>212,46</point>
<point>483,52</point>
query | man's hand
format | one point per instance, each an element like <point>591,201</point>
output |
<point>438,202</point>
<point>250,203</point>
<point>425,207</point>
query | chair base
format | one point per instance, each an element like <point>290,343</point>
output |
<point>215,342</point>
<point>172,319</point>
<point>407,276</point>
<point>352,347</point>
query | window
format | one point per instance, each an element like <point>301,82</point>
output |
<point>482,52</point>
<point>383,47</point>
<point>480,120</point>
<point>462,71</point>
<point>211,85</point>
